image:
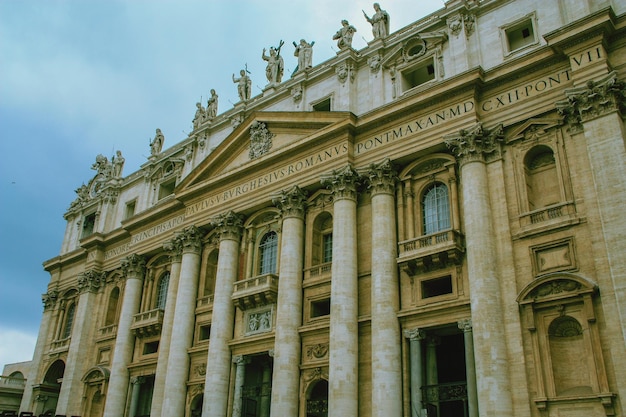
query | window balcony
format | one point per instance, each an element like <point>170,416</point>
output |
<point>255,291</point>
<point>107,331</point>
<point>547,218</point>
<point>148,323</point>
<point>433,251</point>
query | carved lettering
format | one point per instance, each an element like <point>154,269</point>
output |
<point>586,57</point>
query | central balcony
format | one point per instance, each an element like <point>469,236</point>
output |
<point>436,250</point>
<point>255,291</point>
<point>148,323</point>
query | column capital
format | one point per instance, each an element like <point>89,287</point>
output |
<point>90,281</point>
<point>174,249</point>
<point>292,202</point>
<point>342,182</point>
<point>49,299</point>
<point>137,380</point>
<point>415,334</point>
<point>189,239</point>
<point>133,266</point>
<point>475,143</point>
<point>465,325</point>
<point>595,99</point>
<point>229,225</point>
<point>382,177</point>
<point>241,360</point>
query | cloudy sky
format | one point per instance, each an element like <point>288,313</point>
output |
<point>80,78</point>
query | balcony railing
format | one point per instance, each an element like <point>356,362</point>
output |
<point>432,251</point>
<point>559,211</point>
<point>255,291</point>
<point>108,331</point>
<point>452,391</point>
<point>320,271</point>
<point>60,344</point>
<point>11,382</point>
<point>205,302</point>
<point>148,323</point>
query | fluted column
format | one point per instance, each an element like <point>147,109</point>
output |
<point>70,396</point>
<point>344,336</point>
<point>386,354</point>
<point>229,227</point>
<point>184,318</point>
<point>287,348</point>
<point>415,337</point>
<point>134,395</point>
<point>240,374</point>
<point>470,368</point>
<point>473,148</point>
<point>49,300</point>
<point>133,268</point>
<point>174,249</point>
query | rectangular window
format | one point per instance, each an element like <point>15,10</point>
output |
<point>327,248</point>
<point>204,332</point>
<point>167,188</point>
<point>150,347</point>
<point>418,75</point>
<point>323,105</point>
<point>520,35</point>
<point>320,308</point>
<point>89,224</point>
<point>437,286</point>
<point>130,209</point>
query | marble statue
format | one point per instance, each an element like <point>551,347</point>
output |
<point>199,116</point>
<point>275,65</point>
<point>379,22</point>
<point>344,35</point>
<point>211,105</point>
<point>244,85</point>
<point>118,164</point>
<point>304,52</point>
<point>157,144</point>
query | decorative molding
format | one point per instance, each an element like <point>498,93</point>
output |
<point>296,92</point>
<point>190,239</point>
<point>49,299</point>
<point>415,334</point>
<point>318,351</point>
<point>174,249</point>
<point>229,225</point>
<point>465,325</point>
<point>260,140</point>
<point>345,71</point>
<point>133,266</point>
<point>90,281</point>
<point>342,182</point>
<point>382,177</point>
<point>374,62</point>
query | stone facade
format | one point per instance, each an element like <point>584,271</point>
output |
<point>431,226</point>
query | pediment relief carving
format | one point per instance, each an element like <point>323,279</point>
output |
<point>414,48</point>
<point>555,286</point>
<point>533,130</point>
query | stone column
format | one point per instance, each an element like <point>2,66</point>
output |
<point>470,368</point>
<point>134,396</point>
<point>343,398</point>
<point>133,268</point>
<point>216,386</point>
<point>240,374</point>
<point>70,397</point>
<point>287,347</point>
<point>49,300</point>
<point>474,148</point>
<point>386,353</point>
<point>174,249</point>
<point>266,387</point>
<point>181,338</point>
<point>415,337</point>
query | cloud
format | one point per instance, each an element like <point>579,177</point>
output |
<point>16,346</point>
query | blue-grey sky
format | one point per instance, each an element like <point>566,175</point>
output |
<point>80,78</point>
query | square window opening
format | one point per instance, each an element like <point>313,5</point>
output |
<point>320,308</point>
<point>204,332</point>
<point>89,223</point>
<point>418,75</point>
<point>436,287</point>
<point>323,105</point>
<point>130,209</point>
<point>520,35</point>
<point>167,188</point>
<point>150,347</point>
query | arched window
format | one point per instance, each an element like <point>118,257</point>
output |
<point>69,321</point>
<point>211,273</point>
<point>436,209</point>
<point>267,253</point>
<point>162,291</point>
<point>542,183</point>
<point>569,357</point>
<point>111,313</point>
<point>317,401</point>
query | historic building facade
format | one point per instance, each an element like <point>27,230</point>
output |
<point>430,226</point>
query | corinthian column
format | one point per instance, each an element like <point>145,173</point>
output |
<point>183,323</point>
<point>215,404</point>
<point>344,335</point>
<point>174,249</point>
<point>386,355</point>
<point>70,396</point>
<point>133,268</point>
<point>286,376</point>
<point>470,368</point>
<point>49,300</point>
<point>415,337</point>
<point>473,147</point>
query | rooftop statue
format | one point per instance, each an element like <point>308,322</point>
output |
<point>304,52</point>
<point>118,164</point>
<point>244,85</point>
<point>275,65</point>
<point>199,116</point>
<point>344,35</point>
<point>379,22</point>
<point>211,105</point>
<point>157,144</point>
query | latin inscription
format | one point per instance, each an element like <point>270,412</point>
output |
<point>262,181</point>
<point>586,57</point>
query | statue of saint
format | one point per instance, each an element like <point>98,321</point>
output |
<point>118,164</point>
<point>211,105</point>
<point>199,116</point>
<point>275,65</point>
<point>379,22</point>
<point>157,144</point>
<point>244,85</point>
<point>344,35</point>
<point>304,52</point>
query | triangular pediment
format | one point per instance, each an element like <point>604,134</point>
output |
<point>532,129</point>
<point>261,138</point>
